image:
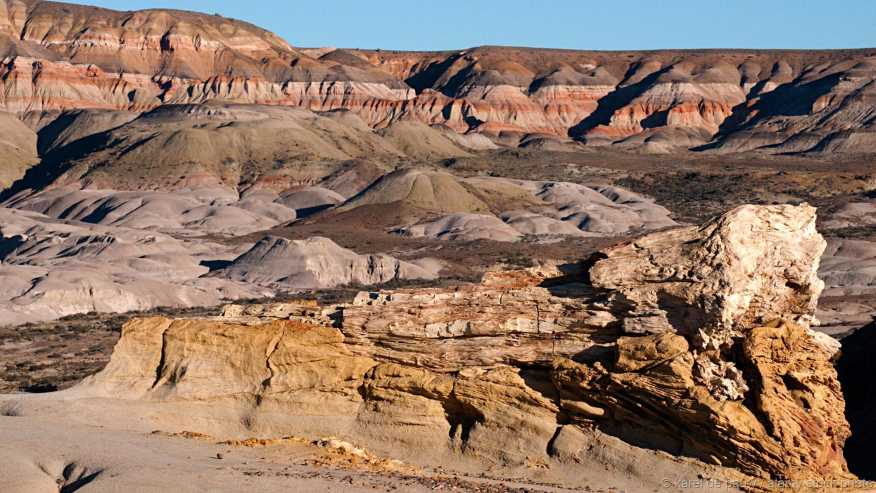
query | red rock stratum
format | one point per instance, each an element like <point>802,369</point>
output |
<point>56,57</point>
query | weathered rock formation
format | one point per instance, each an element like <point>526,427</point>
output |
<point>56,57</point>
<point>693,341</point>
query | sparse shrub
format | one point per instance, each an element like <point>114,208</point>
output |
<point>869,182</point>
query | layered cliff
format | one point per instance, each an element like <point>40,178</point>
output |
<point>56,57</point>
<point>697,344</point>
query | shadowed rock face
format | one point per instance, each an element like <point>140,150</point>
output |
<point>530,364</point>
<point>56,57</point>
<point>855,370</point>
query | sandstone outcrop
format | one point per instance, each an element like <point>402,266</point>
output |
<point>693,342</point>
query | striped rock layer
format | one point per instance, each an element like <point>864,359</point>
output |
<point>56,56</point>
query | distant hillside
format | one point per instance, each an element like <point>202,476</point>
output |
<point>58,57</point>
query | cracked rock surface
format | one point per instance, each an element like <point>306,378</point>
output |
<point>694,342</point>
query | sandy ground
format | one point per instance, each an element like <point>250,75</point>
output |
<point>52,442</point>
<point>41,455</point>
<point>65,441</point>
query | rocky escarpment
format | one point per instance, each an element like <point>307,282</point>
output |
<point>56,57</point>
<point>694,342</point>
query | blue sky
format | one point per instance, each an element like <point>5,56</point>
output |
<point>581,24</point>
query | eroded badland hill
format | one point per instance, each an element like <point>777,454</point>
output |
<point>247,264</point>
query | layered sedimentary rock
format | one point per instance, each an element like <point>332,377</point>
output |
<point>57,57</point>
<point>697,345</point>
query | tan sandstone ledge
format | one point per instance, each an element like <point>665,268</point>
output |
<point>694,342</point>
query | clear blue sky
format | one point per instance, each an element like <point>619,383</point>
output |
<point>576,24</point>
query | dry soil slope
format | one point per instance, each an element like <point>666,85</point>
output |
<point>221,144</point>
<point>18,145</point>
<point>316,263</point>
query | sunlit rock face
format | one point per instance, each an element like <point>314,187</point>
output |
<point>693,341</point>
